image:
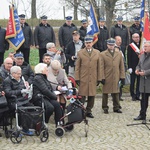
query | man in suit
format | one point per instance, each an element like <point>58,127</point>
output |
<point>132,60</point>
<point>43,34</point>
<point>143,70</point>
<point>121,30</point>
<point>87,73</point>
<point>27,32</point>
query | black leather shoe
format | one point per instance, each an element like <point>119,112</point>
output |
<point>121,99</point>
<point>90,115</point>
<point>137,98</point>
<point>133,98</point>
<point>139,118</point>
<point>106,111</point>
<point>118,111</point>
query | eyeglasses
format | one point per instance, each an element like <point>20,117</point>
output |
<point>17,73</point>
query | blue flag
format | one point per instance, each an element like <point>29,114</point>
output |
<point>142,14</point>
<point>17,39</point>
<point>92,28</point>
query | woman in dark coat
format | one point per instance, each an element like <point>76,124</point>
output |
<point>42,86</point>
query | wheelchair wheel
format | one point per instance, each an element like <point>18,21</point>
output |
<point>44,135</point>
<point>69,127</point>
<point>60,131</point>
<point>16,137</point>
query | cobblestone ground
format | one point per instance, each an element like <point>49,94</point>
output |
<point>106,132</point>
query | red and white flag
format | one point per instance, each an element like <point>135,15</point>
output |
<point>135,48</point>
<point>146,32</point>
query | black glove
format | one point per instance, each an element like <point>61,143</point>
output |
<point>122,81</point>
<point>103,81</point>
<point>78,82</point>
<point>98,82</point>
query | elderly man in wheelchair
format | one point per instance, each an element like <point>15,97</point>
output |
<point>59,81</point>
<point>16,92</point>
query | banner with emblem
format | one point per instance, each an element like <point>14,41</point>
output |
<point>93,28</point>
<point>145,23</point>
<point>14,33</point>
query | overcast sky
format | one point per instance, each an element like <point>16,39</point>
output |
<point>52,8</point>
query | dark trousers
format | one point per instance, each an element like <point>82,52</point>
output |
<point>1,58</point>
<point>42,51</point>
<point>26,53</point>
<point>50,106</point>
<point>115,98</point>
<point>90,103</point>
<point>144,104</point>
<point>135,93</point>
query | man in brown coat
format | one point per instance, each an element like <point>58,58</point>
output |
<point>87,72</point>
<point>112,75</point>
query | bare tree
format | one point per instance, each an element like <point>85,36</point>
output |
<point>33,9</point>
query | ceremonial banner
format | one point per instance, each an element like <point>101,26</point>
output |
<point>14,34</point>
<point>93,28</point>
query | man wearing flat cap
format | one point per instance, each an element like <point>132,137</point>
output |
<point>112,75</point>
<point>83,29</point>
<point>87,73</point>
<point>101,44</point>
<point>65,36</point>
<point>135,28</point>
<point>43,34</point>
<point>71,51</point>
<point>27,32</point>
<point>121,30</point>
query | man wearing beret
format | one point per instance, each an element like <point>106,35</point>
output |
<point>27,32</point>
<point>65,36</point>
<point>83,29</point>
<point>87,73</point>
<point>103,36</point>
<point>121,30</point>
<point>43,34</point>
<point>112,75</point>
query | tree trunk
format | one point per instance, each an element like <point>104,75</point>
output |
<point>33,9</point>
<point>75,9</point>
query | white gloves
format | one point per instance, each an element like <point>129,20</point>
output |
<point>130,70</point>
<point>24,91</point>
<point>28,91</point>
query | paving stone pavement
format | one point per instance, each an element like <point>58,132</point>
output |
<point>106,132</point>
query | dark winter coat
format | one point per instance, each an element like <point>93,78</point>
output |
<point>70,51</point>
<point>27,32</point>
<point>65,34</point>
<point>13,87</point>
<point>3,73</point>
<point>43,35</point>
<point>123,33</point>
<point>101,44</point>
<point>42,86</point>
<point>82,32</point>
<point>135,29</point>
<point>3,43</point>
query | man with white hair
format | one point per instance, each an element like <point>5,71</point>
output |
<point>5,68</point>
<point>143,70</point>
<point>54,53</point>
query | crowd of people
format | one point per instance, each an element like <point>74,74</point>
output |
<point>89,64</point>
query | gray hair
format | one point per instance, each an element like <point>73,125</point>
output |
<point>148,42</point>
<point>8,59</point>
<point>39,68</point>
<point>49,45</point>
<point>15,69</point>
<point>135,34</point>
